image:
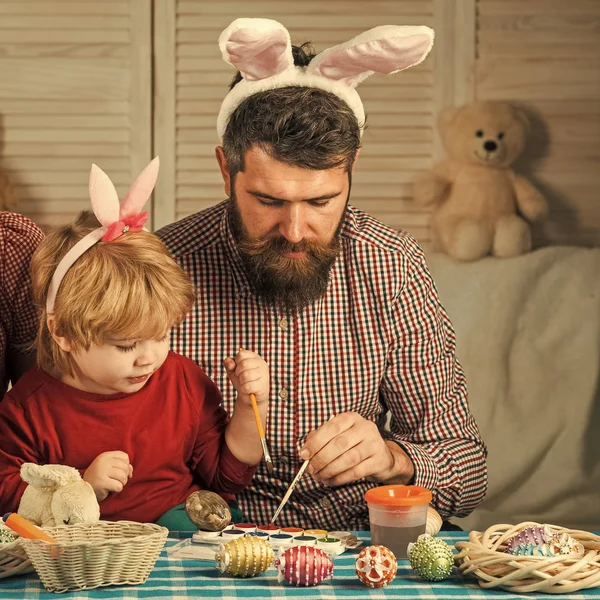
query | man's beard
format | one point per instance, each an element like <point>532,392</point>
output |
<point>292,283</point>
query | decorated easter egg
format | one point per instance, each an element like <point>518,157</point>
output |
<point>207,510</point>
<point>430,558</point>
<point>303,565</point>
<point>244,557</point>
<point>534,536</point>
<point>542,541</point>
<point>7,536</point>
<point>434,521</point>
<point>376,566</point>
<point>533,550</point>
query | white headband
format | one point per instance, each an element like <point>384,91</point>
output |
<point>261,50</point>
<point>115,218</point>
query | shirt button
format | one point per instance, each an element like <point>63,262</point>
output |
<point>283,394</point>
<point>284,459</point>
<point>326,503</point>
<point>283,323</point>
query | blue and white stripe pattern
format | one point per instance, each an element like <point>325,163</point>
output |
<point>181,579</point>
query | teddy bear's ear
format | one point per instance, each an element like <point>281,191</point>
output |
<point>48,475</point>
<point>447,115</point>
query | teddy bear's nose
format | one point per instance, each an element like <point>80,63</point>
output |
<point>490,145</point>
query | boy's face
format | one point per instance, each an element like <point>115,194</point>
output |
<point>117,366</point>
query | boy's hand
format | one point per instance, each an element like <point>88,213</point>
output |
<point>249,374</point>
<point>109,472</point>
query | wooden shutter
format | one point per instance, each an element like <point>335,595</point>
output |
<point>397,143</point>
<point>75,83</point>
<point>545,54</point>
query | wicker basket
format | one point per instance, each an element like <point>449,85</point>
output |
<point>482,557</point>
<point>91,556</point>
<point>13,558</point>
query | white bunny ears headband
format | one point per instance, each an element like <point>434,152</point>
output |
<point>262,51</point>
<point>116,219</point>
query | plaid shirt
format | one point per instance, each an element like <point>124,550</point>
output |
<point>377,341</point>
<point>19,237</point>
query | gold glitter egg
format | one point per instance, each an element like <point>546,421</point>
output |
<point>244,557</point>
<point>207,511</point>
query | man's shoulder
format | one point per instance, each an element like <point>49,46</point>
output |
<point>371,236</point>
<point>195,232</point>
<point>19,237</point>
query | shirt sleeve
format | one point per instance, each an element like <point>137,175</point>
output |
<point>212,462</point>
<point>425,390</point>
<point>21,238</point>
<point>16,447</point>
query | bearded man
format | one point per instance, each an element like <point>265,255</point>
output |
<point>341,307</point>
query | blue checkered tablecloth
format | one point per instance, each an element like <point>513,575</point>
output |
<point>181,579</point>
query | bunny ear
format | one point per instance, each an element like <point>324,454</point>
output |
<point>386,49</point>
<point>140,190</point>
<point>105,200</point>
<point>258,48</point>
<point>48,475</point>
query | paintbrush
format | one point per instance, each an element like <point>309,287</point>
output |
<point>261,433</point>
<point>290,489</point>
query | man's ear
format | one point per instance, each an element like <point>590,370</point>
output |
<point>63,342</point>
<point>224,169</point>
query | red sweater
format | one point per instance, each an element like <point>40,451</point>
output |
<point>172,430</point>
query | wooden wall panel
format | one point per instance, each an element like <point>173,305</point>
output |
<point>545,56</point>
<point>75,89</point>
<point>78,79</point>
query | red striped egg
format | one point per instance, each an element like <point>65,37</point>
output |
<point>303,565</point>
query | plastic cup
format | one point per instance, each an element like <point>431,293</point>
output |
<point>398,515</point>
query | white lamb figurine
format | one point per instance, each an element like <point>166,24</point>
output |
<point>57,495</point>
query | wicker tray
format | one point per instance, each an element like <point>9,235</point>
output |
<point>13,558</point>
<point>482,557</point>
<point>91,556</point>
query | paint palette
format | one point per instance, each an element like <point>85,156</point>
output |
<point>333,542</point>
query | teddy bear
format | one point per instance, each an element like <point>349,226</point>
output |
<point>57,495</point>
<point>480,205</point>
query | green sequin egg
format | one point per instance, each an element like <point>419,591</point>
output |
<point>431,558</point>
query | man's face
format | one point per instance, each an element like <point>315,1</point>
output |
<point>287,220</point>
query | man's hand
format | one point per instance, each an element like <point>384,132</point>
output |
<point>109,472</point>
<point>249,374</point>
<point>349,447</point>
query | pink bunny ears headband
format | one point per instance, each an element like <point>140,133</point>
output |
<point>262,51</point>
<point>116,219</point>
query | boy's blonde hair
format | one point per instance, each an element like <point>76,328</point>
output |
<point>129,288</point>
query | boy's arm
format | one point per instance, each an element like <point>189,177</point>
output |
<point>212,462</point>
<point>249,374</point>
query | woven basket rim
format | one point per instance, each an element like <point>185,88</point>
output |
<point>153,530</point>
<point>520,573</point>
